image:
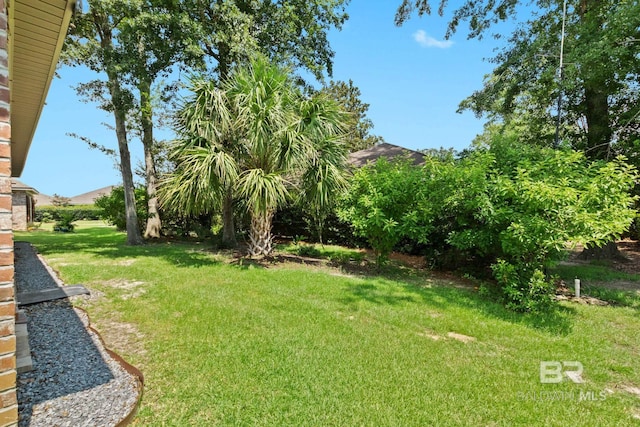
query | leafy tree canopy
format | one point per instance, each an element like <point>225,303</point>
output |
<point>599,90</point>
<point>359,126</point>
<point>291,32</point>
<point>479,14</point>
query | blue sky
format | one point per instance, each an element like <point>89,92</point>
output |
<point>411,77</point>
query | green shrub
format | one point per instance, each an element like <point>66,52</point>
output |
<point>506,207</point>
<point>44,216</point>
<point>112,209</point>
<point>55,213</point>
<point>523,290</point>
<point>65,223</point>
<point>381,205</point>
<point>309,251</point>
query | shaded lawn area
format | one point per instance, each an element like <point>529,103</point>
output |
<point>238,343</point>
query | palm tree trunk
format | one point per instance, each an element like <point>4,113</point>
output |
<point>260,239</point>
<point>228,226</point>
<point>154,223</point>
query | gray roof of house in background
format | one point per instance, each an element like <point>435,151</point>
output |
<point>42,199</point>
<point>81,199</point>
<point>17,185</point>
<point>390,151</point>
<point>91,196</point>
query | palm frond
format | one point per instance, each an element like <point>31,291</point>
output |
<point>199,180</point>
<point>262,192</point>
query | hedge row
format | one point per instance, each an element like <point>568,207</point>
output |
<point>52,213</point>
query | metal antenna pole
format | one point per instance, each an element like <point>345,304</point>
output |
<point>556,143</point>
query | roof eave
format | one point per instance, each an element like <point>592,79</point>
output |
<point>37,30</point>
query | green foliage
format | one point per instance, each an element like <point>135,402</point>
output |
<point>359,126</point>
<point>289,32</point>
<point>253,137</point>
<point>308,251</point>
<point>134,45</point>
<point>380,205</point>
<point>45,217</point>
<point>112,207</point>
<point>600,106</point>
<point>54,213</point>
<point>65,223</point>
<point>510,206</point>
<point>326,347</point>
<point>481,14</point>
<point>535,202</point>
<point>522,289</point>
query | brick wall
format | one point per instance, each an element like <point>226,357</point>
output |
<point>8,401</point>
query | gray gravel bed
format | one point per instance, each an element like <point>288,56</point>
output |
<point>74,382</point>
<point>31,272</point>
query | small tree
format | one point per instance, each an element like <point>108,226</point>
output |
<point>358,126</point>
<point>60,201</point>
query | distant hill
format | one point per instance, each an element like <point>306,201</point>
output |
<point>81,199</point>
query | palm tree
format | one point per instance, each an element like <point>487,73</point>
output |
<point>323,122</point>
<point>258,138</point>
<point>206,157</point>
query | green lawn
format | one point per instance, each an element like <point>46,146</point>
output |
<point>229,343</point>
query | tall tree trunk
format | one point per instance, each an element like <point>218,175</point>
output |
<point>154,223</point>
<point>596,93</point>
<point>133,230</point>
<point>596,111</point>
<point>228,226</point>
<point>119,113</point>
<point>599,131</point>
<point>260,239</point>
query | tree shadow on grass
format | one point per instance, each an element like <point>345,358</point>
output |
<point>103,242</point>
<point>245,263</point>
<point>443,295</point>
<point>407,285</point>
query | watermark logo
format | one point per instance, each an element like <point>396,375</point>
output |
<point>553,372</point>
<point>562,396</point>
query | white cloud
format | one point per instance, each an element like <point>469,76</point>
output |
<point>426,40</point>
